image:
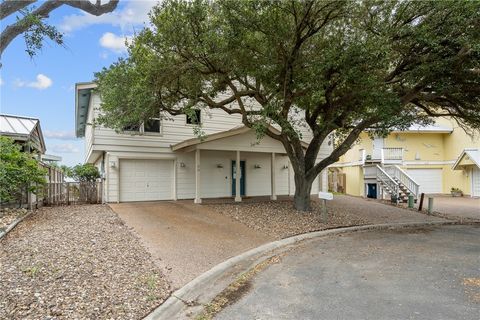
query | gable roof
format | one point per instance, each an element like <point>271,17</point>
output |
<point>219,135</point>
<point>472,154</point>
<point>23,129</point>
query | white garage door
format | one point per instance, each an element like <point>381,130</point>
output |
<point>430,180</point>
<point>146,180</point>
<point>476,182</point>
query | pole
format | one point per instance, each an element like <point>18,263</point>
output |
<point>420,205</point>
<point>430,205</point>
<point>324,211</point>
<point>410,201</point>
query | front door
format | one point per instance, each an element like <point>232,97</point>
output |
<point>372,190</point>
<point>242,177</point>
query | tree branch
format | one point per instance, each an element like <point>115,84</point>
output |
<point>42,12</point>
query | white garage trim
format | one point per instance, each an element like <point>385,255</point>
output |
<point>429,179</point>
<point>475,182</point>
<point>146,180</point>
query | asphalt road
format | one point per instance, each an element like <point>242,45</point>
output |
<point>429,273</point>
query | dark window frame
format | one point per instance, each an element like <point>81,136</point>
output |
<point>192,121</point>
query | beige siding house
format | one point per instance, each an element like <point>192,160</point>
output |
<point>164,160</point>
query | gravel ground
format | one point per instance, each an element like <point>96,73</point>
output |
<point>8,216</point>
<point>77,262</point>
<point>280,220</point>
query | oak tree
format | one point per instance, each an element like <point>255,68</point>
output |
<point>332,67</point>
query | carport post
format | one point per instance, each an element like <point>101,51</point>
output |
<point>197,177</point>
<point>238,175</point>
<point>272,176</point>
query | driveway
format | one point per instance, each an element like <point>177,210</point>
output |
<point>186,239</point>
<point>429,273</point>
<point>460,207</point>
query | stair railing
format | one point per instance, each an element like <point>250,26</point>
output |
<point>388,181</point>
<point>402,176</point>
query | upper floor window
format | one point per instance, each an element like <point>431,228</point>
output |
<point>152,125</point>
<point>195,118</point>
<point>131,127</point>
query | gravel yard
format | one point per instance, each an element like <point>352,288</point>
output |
<point>8,216</point>
<point>280,220</point>
<point>77,262</point>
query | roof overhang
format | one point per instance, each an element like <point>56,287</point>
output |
<point>186,144</point>
<point>83,92</point>
<point>425,129</point>
<point>468,157</point>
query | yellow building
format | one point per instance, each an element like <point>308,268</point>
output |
<point>423,159</point>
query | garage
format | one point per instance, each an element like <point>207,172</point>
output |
<point>476,182</point>
<point>146,180</point>
<point>430,180</point>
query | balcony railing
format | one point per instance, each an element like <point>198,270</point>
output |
<point>384,155</point>
<point>392,154</point>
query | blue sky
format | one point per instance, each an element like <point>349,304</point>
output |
<point>42,87</point>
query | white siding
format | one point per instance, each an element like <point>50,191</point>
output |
<point>215,181</point>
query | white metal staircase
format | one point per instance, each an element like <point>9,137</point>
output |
<point>396,182</point>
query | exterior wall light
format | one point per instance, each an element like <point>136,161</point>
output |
<point>219,165</point>
<point>113,164</point>
<point>285,166</point>
<point>182,164</point>
<point>257,166</point>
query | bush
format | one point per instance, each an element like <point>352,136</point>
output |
<point>83,172</point>
<point>19,172</point>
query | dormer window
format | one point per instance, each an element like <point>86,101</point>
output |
<point>195,118</point>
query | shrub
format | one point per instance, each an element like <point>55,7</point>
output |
<point>19,172</point>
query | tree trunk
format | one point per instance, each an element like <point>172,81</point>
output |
<point>303,188</point>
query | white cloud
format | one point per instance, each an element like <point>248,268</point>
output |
<point>133,14</point>
<point>61,135</point>
<point>65,148</point>
<point>42,82</point>
<point>113,42</point>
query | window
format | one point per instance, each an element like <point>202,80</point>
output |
<point>131,127</point>
<point>152,125</point>
<point>195,119</point>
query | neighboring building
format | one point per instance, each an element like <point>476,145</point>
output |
<point>423,159</point>
<point>27,132</point>
<point>162,159</point>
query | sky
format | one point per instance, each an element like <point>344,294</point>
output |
<point>43,87</point>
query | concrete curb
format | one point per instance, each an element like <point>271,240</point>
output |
<point>13,225</point>
<point>179,300</point>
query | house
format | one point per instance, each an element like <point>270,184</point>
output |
<point>27,132</point>
<point>429,159</point>
<point>162,159</point>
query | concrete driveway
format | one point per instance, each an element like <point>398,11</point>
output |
<point>458,207</point>
<point>186,239</point>
<point>429,273</point>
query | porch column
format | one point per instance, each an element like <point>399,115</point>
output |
<point>197,177</point>
<point>272,176</point>
<point>238,174</point>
